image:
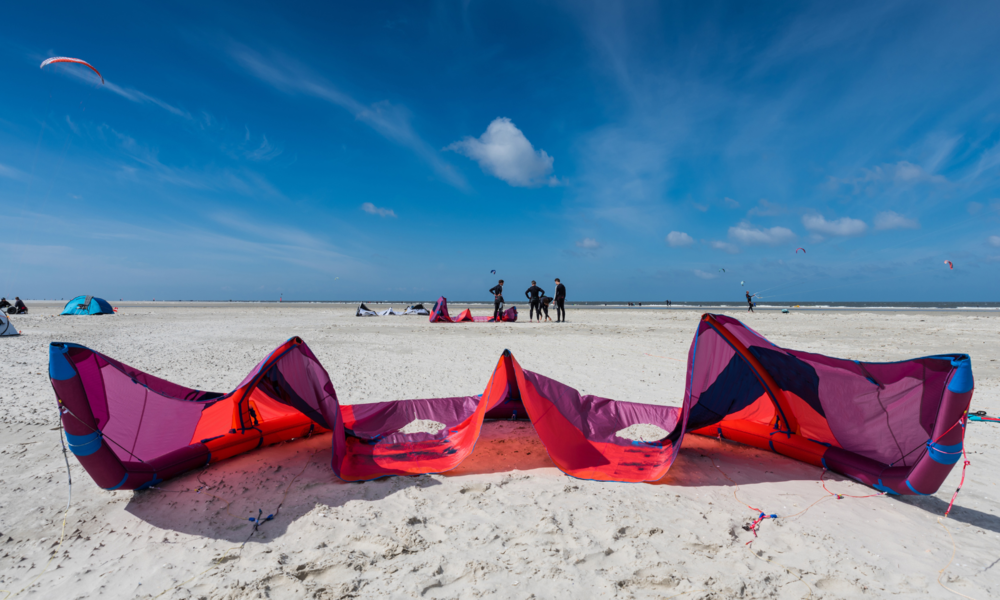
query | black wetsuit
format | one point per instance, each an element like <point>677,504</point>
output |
<point>497,292</point>
<point>545,306</point>
<point>20,307</point>
<point>4,303</point>
<point>534,295</point>
<point>560,303</point>
<point>749,302</point>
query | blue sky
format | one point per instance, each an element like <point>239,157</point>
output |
<point>402,150</point>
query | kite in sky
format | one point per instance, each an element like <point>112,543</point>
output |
<point>64,59</point>
<point>802,249</point>
<point>950,264</point>
<point>494,271</point>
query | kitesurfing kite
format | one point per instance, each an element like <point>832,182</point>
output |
<point>741,283</point>
<point>802,249</point>
<point>494,271</point>
<point>949,263</point>
<point>64,59</point>
<point>723,270</point>
<point>131,430</point>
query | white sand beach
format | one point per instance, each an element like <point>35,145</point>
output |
<point>506,523</point>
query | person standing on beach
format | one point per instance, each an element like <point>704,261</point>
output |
<point>560,302</point>
<point>534,295</point>
<point>749,302</point>
<point>497,292</point>
<point>545,307</point>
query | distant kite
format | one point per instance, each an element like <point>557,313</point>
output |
<point>723,270</point>
<point>63,59</point>
<point>802,249</point>
<point>741,283</point>
<point>949,263</point>
<point>494,271</point>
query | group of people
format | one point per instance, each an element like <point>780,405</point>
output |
<point>537,300</point>
<point>18,308</point>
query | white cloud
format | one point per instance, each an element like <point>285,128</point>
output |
<point>725,247</point>
<point>902,173</point>
<point>731,203</point>
<point>371,209</point>
<point>504,152</point>
<point>678,239</point>
<point>748,234</point>
<point>588,243</point>
<point>845,226</point>
<point>704,275</point>
<point>766,209</point>
<point>994,240</point>
<point>893,220</point>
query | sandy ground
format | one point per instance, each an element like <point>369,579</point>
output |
<point>507,523</point>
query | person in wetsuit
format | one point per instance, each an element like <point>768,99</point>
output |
<point>560,301</point>
<point>749,302</point>
<point>497,292</point>
<point>3,303</point>
<point>534,295</point>
<point>545,307</point>
<point>19,306</point>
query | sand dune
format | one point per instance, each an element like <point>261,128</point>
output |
<point>506,523</point>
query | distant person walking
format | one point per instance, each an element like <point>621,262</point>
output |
<point>497,292</point>
<point>560,302</point>
<point>749,302</point>
<point>534,295</point>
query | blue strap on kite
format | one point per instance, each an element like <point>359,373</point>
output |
<point>84,445</point>
<point>120,483</point>
<point>914,490</point>
<point>59,367</point>
<point>885,489</point>
<point>945,455</point>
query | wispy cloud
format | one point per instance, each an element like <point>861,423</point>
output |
<point>679,239</point>
<point>725,246</point>
<point>128,93</point>
<point>902,173</point>
<point>12,173</point>
<point>390,121</point>
<point>505,153</point>
<point>242,181</point>
<point>588,244</point>
<point>893,220</point>
<point>844,226</point>
<point>766,208</point>
<point>703,275</point>
<point>751,235</point>
<point>371,209</point>
<point>266,150</point>
<point>994,240</point>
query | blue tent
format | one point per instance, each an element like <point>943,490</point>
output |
<point>88,305</point>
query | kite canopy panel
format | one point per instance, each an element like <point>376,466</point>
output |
<point>416,309</point>
<point>439,314</point>
<point>87,305</point>
<point>364,311</point>
<point>6,327</point>
<point>898,427</point>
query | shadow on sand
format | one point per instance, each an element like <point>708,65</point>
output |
<point>217,501</point>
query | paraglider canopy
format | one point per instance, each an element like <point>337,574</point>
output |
<point>741,283</point>
<point>64,59</point>
<point>950,264</point>
<point>802,249</point>
<point>723,270</point>
<point>494,271</point>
